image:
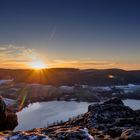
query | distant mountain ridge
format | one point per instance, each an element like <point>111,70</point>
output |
<point>72,76</point>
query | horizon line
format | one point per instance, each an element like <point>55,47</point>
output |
<point>67,68</point>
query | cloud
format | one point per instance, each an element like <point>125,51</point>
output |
<point>83,64</point>
<point>21,57</point>
<point>92,64</point>
<point>16,56</point>
<point>128,66</point>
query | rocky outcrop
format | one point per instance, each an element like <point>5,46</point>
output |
<point>110,120</point>
<point>8,119</point>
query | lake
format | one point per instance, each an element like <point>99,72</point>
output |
<point>41,114</point>
<point>134,104</point>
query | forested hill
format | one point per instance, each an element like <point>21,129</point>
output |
<point>71,76</point>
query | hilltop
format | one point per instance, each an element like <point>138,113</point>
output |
<point>71,76</point>
<point>110,120</point>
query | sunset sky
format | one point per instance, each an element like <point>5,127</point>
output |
<point>70,33</point>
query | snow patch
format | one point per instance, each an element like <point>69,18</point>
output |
<point>6,81</point>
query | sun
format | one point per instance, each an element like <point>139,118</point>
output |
<point>38,64</point>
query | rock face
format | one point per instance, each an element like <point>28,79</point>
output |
<point>110,120</point>
<point>8,119</point>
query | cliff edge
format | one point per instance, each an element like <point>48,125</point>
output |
<point>110,120</point>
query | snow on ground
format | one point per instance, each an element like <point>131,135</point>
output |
<point>5,81</point>
<point>24,137</point>
<point>130,88</point>
<point>67,89</point>
<point>87,135</point>
<point>102,88</point>
<point>9,102</point>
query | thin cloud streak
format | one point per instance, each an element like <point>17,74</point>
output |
<point>91,64</point>
<point>16,56</point>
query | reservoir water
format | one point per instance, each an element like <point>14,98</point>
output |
<point>41,114</point>
<point>134,104</point>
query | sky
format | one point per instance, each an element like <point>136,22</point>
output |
<point>96,34</point>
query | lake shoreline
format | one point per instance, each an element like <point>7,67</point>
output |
<point>107,120</point>
<point>40,105</point>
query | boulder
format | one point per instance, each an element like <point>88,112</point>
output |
<point>114,100</point>
<point>8,119</point>
<point>112,118</point>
